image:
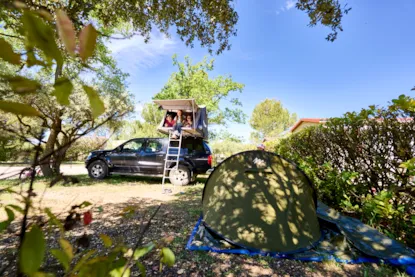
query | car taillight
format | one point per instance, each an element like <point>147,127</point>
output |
<point>210,160</point>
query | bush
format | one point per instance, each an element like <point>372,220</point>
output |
<point>362,164</point>
<point>228,147</point>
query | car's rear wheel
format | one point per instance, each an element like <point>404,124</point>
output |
<point>180,176</point>
<point>98,170</point>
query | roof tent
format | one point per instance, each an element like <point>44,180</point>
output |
<point>189,107</point>
<point>259,200</point>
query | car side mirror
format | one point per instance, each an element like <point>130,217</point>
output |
<point>118,149</point>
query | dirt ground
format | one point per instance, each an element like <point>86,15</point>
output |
<point>177,217</point>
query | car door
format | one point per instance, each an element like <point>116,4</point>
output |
<point>127,158</point>
<point>152,157</point>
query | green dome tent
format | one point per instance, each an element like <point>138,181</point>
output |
<point>258,200</point>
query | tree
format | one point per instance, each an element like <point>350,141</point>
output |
<point>151,114</point>
<point>326,12</point>
<point>151,117</point>
<point>80,149</point>
<point>270,118</point>
<point>211,22</point>
<point>223,135</point>
<point>192,81</point>
<point>26,96</point>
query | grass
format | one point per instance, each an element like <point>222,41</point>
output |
<point>177,217</point>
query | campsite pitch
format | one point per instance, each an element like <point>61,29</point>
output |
<point>177,217</point>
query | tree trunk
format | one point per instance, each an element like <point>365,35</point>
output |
<point>59,157</point>
<point>47,170</point>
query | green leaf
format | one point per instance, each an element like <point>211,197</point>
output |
<point>10,214</point>
<point>18,108</point>
<point>83,260</point>
<point>32,251</point>
<point>106,240</point>
<point>87,42</point>
<point>16,208</point>
<point>31,60</point>
<point>4,225</point>
<point>44,14</point>
<point>97,106</point>
<point>85,204</point>
<point>21,85</point>
<point>7,52</point>
<point>119,268</point>
<point>413,219</point>
<point>10,218</point>
<point>61,257</point>
<point>138,253</point>
<point>63,88</point>
<point>142,269</point>
<point>54,220</point>
<point>167,256</point>
<point>67,248</point>
<point>40,35</point>
<point>66,31</point>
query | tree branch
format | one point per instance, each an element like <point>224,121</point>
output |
<point>29,195</point>
<point>12,36</point>
<point>143,229</point>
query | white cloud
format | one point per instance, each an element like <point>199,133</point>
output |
<point>289,4</point>
<point>134,52</point>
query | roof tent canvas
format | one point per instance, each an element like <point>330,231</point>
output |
<point>258,200</point>
<point>199,114</point>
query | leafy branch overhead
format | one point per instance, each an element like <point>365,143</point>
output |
<point>212,23</point>
<point>40,36</point>
<point>326,12</point>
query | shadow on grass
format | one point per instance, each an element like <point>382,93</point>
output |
<point>85,180</point>
<point>177,218</point>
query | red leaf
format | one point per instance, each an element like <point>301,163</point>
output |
<point>87,42</point>
<point>66,31</point>
<point>87,218</point>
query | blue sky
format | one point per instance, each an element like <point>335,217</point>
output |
<point>276,55</point>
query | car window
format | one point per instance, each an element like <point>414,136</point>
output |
<point>153,146</point>
<point>133,146</point>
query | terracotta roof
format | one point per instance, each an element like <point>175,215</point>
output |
<point>311,120</point>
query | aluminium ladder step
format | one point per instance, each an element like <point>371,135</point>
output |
<point>167,161</point>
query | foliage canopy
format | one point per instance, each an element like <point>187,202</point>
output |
<point>269,118</point>
<point>193,81</point>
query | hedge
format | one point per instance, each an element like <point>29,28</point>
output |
<point>363,164</point>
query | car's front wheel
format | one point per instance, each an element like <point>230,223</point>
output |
<point>180,176</point>
<point>98,170</point>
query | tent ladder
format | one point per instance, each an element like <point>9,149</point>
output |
<point>171,158</point>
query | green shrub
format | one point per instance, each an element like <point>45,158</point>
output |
<point>362,163</point>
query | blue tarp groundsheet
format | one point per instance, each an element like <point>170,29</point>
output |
<point>343,239</point>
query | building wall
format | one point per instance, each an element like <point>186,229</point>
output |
<point>304,125</point>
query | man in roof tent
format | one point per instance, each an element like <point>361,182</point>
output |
<point>179,120</point>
